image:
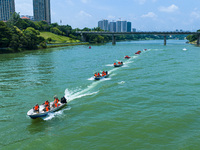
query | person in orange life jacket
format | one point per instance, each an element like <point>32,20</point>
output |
<point>95,74</point>
<point>46,103</point>
<point>119,63</point>
<point>47,108</point>
<point>55,103</point>
<point>103,73</point>
<point>98,74</point>
<point>36,108</point>
<point>115,63</point>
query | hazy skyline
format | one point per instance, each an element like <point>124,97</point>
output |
<point>146,15</point>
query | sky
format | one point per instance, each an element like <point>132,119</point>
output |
<point>145,15</point>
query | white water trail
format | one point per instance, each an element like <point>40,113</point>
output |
<point>72,95</point>
<point>54,114</point>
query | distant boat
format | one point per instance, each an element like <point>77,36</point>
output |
<point>119,64</point>
<point>127,57</point>
<point>184,49</point>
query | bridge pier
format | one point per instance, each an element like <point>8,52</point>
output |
<point>113,40</point>
<point>83,37</point>
<point>165,39</point>
<point>198,39</point>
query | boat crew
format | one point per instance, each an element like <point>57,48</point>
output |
<point>36,108</point>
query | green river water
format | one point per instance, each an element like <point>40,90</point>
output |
<point>152,102</point>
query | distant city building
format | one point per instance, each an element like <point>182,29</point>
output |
<point>124,26</point>
<point>41,10</point>
<point>7,8</point>
<point>134,30</point>
<point>128,26</point>
<point>118,26</point>
<point>27,17</point>
<point>112,26</point>
<point>103,24</point>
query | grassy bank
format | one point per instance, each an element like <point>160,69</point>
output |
<point>57,38</point>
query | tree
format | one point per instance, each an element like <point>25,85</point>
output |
<point>55,30</point>
<point>31,36</point>
<point>5,34</point>
<point>49,40</point>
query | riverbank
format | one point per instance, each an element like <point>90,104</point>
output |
<point>9,50</point>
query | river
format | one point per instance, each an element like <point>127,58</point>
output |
<point>152,102</point>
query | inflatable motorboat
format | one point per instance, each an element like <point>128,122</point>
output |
<point>119,64</point>
<point>127,57</point>
<point>138,52</point>
<point>42,113</point>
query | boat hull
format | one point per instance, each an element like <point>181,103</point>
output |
<point>118,65</point>
<point>101,77</point>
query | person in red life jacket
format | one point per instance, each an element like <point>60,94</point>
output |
<point>98,74</point>
<point>103,73</point>
<point>56,100</point>
<point>46,103</point>
<point>115,63</point>
<point>47,108</point>
<point>36,108</point>
<point>119,63</point>
<point>95,74</point>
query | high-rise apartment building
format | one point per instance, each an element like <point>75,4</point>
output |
<point>112,26</point>
<point>41,10</point>
<point>124,26</point>
<point>118,26</point>
<point>7,8</point>
<point>128,26</point>
<point>103,24</point>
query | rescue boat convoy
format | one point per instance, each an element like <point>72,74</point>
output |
<point>48,107</point>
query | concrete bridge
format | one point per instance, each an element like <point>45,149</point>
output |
<point>114,34</point>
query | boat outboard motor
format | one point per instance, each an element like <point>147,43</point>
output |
<point>63,100</point>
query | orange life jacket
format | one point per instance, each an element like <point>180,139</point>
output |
<point>47,108</point>
<point>95,74</point>
<point>56,101</point>
<point>46,103</point>
<point>36,107</point>
<point>56,105</point>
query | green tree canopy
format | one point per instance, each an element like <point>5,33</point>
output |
<point>5,34</point>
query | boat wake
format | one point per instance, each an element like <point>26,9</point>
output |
<point>72,95</point>
<point>54,114</point>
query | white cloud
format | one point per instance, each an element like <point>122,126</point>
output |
<point>169,9</point>
<point>149,15</point>
<point>84,14</point>
<point>195,14</point>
